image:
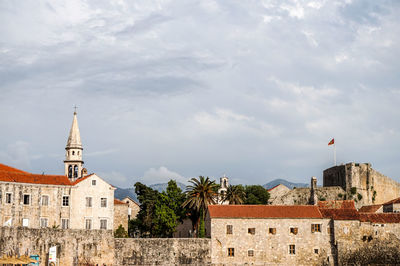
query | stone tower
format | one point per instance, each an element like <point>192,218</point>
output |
<point>313,196</point>
<point>73,156</point>
<point>224,183</point>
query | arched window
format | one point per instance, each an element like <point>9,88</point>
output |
<point>75,171</point>
<point>73,152</point>
<point>78,152</point>
<point>70,171</point>
<point>225,183</point>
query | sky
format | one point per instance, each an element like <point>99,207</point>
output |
<point>176,89</point>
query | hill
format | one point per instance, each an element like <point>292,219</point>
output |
<point>121,193</point>
<point>284,182</point>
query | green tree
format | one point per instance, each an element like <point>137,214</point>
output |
<point>120,232</point>
<point>256,195</point>
<point>235,195</point>
<point>200,194</point>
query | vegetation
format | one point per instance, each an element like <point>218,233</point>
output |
<point>120,232</point>
<point>353,190</point>
<point>200,194</point>
<point>235,195</point>
<point>255,195</point>
<point>340,195</point>
<point>159,213</point>
<point>359,196</point>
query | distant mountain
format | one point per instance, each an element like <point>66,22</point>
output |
<point>289,184</point>
<point>121,193</point>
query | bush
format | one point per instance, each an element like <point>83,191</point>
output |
<point>120,232</point>
<point>340,195</point>
<point>353,190</point>
<point>359,196</point>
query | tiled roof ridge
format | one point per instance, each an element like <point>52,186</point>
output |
<point>7,168</point>
<point>396,200</point>
<point>117,201</point>
<point>274,187</point>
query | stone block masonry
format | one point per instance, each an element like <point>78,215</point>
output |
<point>162,251</point>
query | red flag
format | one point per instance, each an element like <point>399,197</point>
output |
<point>331,142</point>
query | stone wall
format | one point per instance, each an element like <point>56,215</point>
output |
<point>362,183</point>
<point>162,251</point>
<point>301,196</point>
<point>74,247</point>
<point>121,216</point>
<point>271,248</point>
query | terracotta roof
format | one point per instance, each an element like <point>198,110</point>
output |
<point>340,214</point>
<point>10,174</point>
<point>370,208</point>
<point>384,218</point>
<point>81,179</point>
<point>264,211</point>
<point>392,201</point>
<point>7,168</point>
<point>274,187</point>
<point>337,204</point>
<point>117,201</point>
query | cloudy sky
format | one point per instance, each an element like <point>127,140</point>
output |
<point>176,89</point>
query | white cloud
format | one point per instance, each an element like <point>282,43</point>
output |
<point>161,175</point>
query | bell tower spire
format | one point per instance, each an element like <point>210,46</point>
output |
<point>73,156</point>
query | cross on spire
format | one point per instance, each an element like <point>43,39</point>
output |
<point>75,107</point>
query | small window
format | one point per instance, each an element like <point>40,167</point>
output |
<point>88,225</point>
<point>65,223</point>
<point>8,198</point>
<point>45,200</point>
<point>89,202</point>
<point>78,152</point>
<point>93,182</point>
<point>250,253</point>
<point>272,231</point>
<point>229,230</point>
<point>316,251</point>
<point>315,228</point>
<point>251,231</point>
<point>73,153</point>
<point>27,199</point>
<point>231,252</point>
<point>292,249</point>
<point>103,202</point>
<point>103,224</point>
<point>65,201</point>
<point>44,222</point>
<point>25,222</point>
<point>294,230</point>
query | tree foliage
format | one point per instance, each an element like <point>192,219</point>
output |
<point>235,195</point>
<point>256,195</point>
<point>159,213</point>
<point>120,232</point>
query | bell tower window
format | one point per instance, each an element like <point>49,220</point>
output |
<point>73,152</point>
<point>70,171</point>
<point>75,171</point>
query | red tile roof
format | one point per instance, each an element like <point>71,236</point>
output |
<point>394,201</point>
<point>81,179</point>
<point>384,218</point>
<point>10,174</point>
<point>370,208</point>
<point>117,201</point>
<point>337,204</point>
<point>263,211</point>
<point>340,214</point>
<point>274,187</point>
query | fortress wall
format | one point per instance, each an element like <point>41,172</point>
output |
<point>385,187</point>
<point>162,251</point>
<point>74,247</point>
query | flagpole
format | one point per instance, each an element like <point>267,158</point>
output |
<point>334,153</point>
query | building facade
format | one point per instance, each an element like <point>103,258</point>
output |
<point>75,200</point>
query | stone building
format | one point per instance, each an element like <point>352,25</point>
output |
<point>133,207</point>
<point>362,183</point>
<point>264,234</point>
<point>75,200</point>
<point>120,214</point>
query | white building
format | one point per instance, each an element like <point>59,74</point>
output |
<point>75,200</point>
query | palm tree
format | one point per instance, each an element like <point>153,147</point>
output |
<point>234,195</point>
<point>200,194</point>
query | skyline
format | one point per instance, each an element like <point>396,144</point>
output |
<point>178,89</point>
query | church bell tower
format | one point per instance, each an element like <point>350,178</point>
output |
<point>73,156</point>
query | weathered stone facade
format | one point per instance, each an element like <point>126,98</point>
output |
<point>162,251</point>
<point>301,196</point>
<point>362,183</point>
<point>270,248</point>
<point>120,214</point>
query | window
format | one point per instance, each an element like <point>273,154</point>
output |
<point>25,222</point>
<point>88,224</point>
<point>294,230</point>
<point>45,200</point>
<point>65,201</point>
<point>250,253</point>
<point>44,222</point>
<point>103,202</point>
<point>73,152</point>
<point>78,152</point>
<point>88,202</point>
<point>0,196</point>
<point>229,230</point>
<point>272,231</point>
<point>292,249</point>
<point>251,231</point>
<point>27,199</point>
<point>103,224</point>
<point>315,228</point>
<point>231,252</point>
<point>93,182</point>
<point>64,223</point>
<point>8,198</point>
<point>316,251</point>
